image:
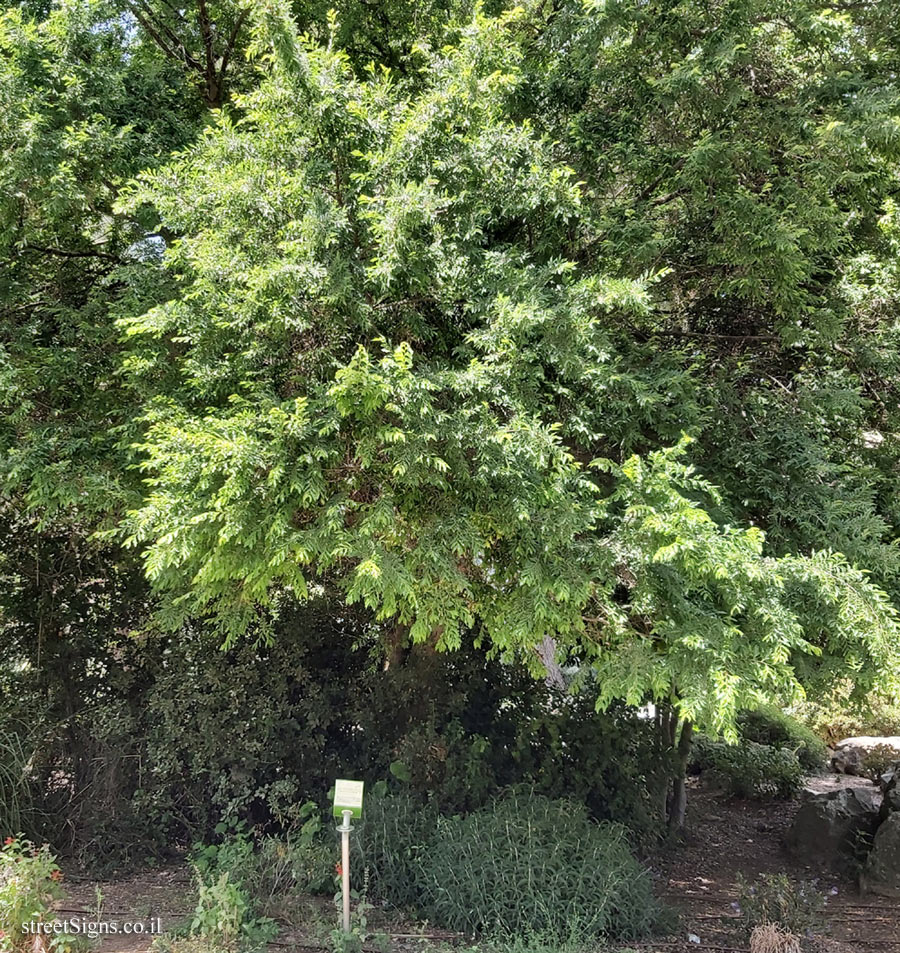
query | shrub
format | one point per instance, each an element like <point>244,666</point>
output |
<point>755,771</point>
<point>531,866</point>
<point>277,870</point>
<point>878,760</point>
<point>773,727</point>
<point>797,908</point>
<point>226,917</point>
<point>836,717</point>
<point>150,759</point>
<point>29,883</point>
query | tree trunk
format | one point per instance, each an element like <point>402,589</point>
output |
<point>679,784</point>
<point>676,742</point>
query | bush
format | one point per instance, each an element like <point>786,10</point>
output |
<point>773,727</point>
<point>150,761</point>
<point>755,771</point>
<point>527,866</point>
<point>226,917</point>
<point>774,898</point>
<point>879,760</point>
<point>29,883</point>
<point>835,717</point>
<point>276,871</point>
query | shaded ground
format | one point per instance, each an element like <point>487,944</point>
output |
<point>725,837</point>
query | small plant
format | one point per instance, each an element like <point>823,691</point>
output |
<point>771,938</point>
<point>29,883</point>
<point>756,771</point>
<point>795,908</point>
<point>352,942</point>
<point>282,869</point>
<point>225,917</point>
<point>879,760</point>
<point>220,912</point>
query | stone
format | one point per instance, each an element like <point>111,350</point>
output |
<point>889,783</point>
<point>828,827</point>
<point>849,754</point>
<point>847,761</point>
<point>881,874</point>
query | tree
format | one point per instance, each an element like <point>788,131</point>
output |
<point>748,153</point>
<point>405,355</point>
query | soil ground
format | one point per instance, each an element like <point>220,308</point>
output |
<point>725,837</point>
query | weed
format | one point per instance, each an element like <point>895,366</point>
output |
<point>797,908</point>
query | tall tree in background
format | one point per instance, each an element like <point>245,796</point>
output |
<point>748,153</point>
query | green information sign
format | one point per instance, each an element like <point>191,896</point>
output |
<point>348,796</point>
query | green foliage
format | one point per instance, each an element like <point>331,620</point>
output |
<point>833,717</point>
<point>411,309</point>
<point>225,915</point>
<point>775,898</point>
<point>166,767</point>
<point>285,868</point>
<point>431,294</point>
<point>29,885</point>
<point>558,744</point>
<point>17,788</point>
<point>778,729</point>
<point>751,770</point>
<point>275,871</point>
<point>468,873</point>
<point>398,831</point>
<point>531,866</point>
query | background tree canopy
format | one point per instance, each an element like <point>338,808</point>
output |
<point>564,328</point>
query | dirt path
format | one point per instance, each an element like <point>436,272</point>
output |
<point>147,900</point>
<point>726,837</point>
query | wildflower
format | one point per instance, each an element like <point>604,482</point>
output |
<point>56,876</point>
<point>8,841</point>
<point>339,870</point>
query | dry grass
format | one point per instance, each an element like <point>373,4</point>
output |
<point>770,938</point>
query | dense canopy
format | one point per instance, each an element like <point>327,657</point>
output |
<point>574,321</point>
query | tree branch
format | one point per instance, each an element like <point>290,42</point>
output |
<point>229,46</point>
<point>156,28</point>
<point>66,253</point>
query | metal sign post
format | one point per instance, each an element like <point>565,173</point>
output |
<point>348,803</point>
<point>345,829</point>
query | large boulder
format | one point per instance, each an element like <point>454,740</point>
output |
<point>828,827</point>
<point>850,753</point>
<point>881,875</point>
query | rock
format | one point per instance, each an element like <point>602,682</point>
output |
<point>881,874</point>
<point>828,826</point>
<point>868,742</point>
<point>889,783</point>
<point>847,761</point>
<point>850,753</point>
